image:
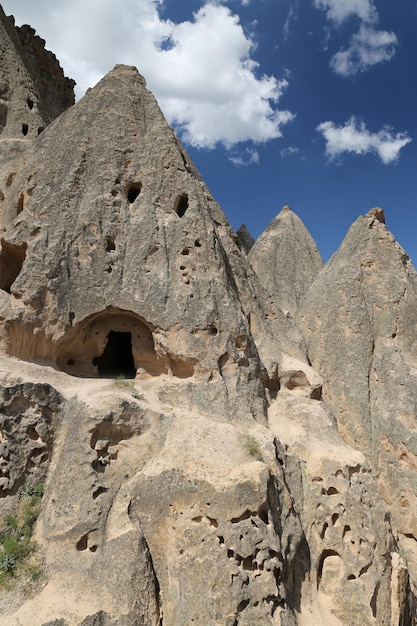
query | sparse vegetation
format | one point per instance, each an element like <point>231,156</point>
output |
<point>252,446</point>
<point>128,384</point>
<point>16,535</point>
<point>124,383</point>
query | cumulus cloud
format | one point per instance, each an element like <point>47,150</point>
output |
<point>340,10</point>
<point>208,85</point>
<point>354,137</point>
<point>201,70</point>
<point>368,46</point>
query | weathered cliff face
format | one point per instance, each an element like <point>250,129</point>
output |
<point>33,89</point>
<point>360,320</point>
<point>131,241</point>
<point>152,380</point>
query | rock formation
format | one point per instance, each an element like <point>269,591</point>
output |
<point>286,259</point>
<point>186,406</point>
<point>33,89</point>
<point>359,320</point>
<point>245,238</point>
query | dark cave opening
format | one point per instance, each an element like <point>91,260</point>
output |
<point>117,358</point>
<point>133,192</point>
<point>181,205</point>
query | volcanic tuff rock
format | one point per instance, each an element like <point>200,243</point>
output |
<point>33,89</point>
<point>286,259</point>
<point>210,484</point>
<point>245,238</point>
<point>360,319</point>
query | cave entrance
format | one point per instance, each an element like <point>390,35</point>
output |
<point>117,358</point>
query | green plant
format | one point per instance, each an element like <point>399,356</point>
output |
<point>138,396</point>
<point>11,521</point>
<point>124,383</point>
<point>32,489</point>
<point>252,446</point>
<point>15,539</point>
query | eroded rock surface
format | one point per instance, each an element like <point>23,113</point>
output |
<point>286,259</point>
<point>28,415</point>
<point>161,387</point>
<point>33,89</point>
<point>359,319</point>
<point>245,238</point>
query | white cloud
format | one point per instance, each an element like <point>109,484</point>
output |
<point>247,157</point>
<point>201,71</point>
<point>368,46</point>
<point>292,16</point>
<point>354,137</point>
<point>340,10</point>
<point>288,152</point>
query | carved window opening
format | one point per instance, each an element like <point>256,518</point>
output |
<point>30,103</point>
<point>181,205</point>
<point>133,191</point>
<point>11,262</point>
<point>110,244</point>
<point>25,129</point>
<point>3,116</point>
<point>117,358</point>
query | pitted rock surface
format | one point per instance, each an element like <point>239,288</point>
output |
<point>207,456</point>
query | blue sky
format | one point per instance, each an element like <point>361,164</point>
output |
<point>310,103</point>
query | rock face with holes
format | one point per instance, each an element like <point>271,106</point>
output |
<point>198,468</point>
<point>132,242</point>
<point>360,319</point>
<point>33,89</point>
<point>27,432</point>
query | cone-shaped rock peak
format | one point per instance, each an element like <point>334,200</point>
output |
<point>360,319</point>
<point>286,259</point>
<point>245,238</point>
<point>129,241</point>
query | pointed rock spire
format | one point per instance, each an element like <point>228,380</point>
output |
<point>245,238</point>
<point>286,259</point>
<point>130,240</point>
<point>359,320</point>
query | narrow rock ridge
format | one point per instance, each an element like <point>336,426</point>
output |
<point>33,89</point>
